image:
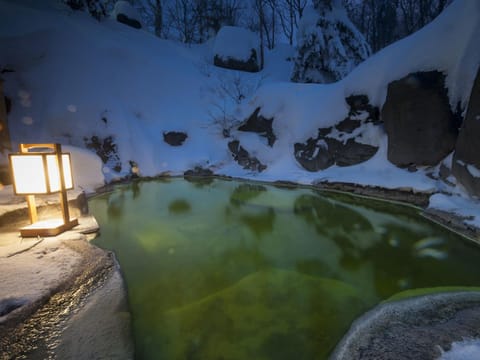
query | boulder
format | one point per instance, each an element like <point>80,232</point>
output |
<point>359,105</point>
<point>421,127</point>
<point>124,19</point>
<point>243,158</point>
<point>466,159</point>
<point>126,14</point>
<point>322,152</point>
<point>198,171</point>
<point>313,155</point>
<point>106,149</point>
<point>414,328</point>
<point>259,317</point>
<point>237,49</point>
<point>258,124</point>
<point>338,145</point>
<point>174,138</point>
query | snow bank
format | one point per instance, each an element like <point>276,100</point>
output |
<point>459,205</point>
<point>86,169</point>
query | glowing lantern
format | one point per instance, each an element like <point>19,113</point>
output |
<point>43,169</point>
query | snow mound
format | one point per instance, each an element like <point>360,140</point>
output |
<point>234,42</point>
<point>123,7</point>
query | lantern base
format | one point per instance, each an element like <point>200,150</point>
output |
<point>47,228</point>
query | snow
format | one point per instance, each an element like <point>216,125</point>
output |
<point>75,78</point>
<point>458,204</point>
<point>463,350</point>
<point>236,43</point>
<point>473,170</point>
<point>86,169</point>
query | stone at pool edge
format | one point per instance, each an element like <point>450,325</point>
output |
<point>412,328</point>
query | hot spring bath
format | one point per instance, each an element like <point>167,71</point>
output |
<point>237,270</point>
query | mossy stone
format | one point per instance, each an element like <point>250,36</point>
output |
<point>270,314</point>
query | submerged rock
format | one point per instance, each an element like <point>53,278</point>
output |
<point>271,314</point>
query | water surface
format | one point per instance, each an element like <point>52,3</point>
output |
<point>234,270</point>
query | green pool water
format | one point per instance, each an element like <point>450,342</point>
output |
<point>235,270</point>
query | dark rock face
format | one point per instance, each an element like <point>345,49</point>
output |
<point>343,150</point>
<point>174,138</point>
<point>313,155</point>
<point>258,124</point>
<point>198,171</point>
<point>243,158</point>
<point>124,19</point>
<point>360,104</point>
<point>251,65</point>
<point>467,150</point>
<point>106,149</point>
<point>421,127</point>
<point>322,152</point>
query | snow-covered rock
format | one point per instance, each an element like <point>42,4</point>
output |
<point>236,48</point>
<point>126,14</point>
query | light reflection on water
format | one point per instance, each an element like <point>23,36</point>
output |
<point>235,270</point>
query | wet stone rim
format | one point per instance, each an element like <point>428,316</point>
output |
<point>33,330</point>
<point>415,328</point>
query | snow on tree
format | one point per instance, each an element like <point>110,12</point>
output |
<point>329,46</point>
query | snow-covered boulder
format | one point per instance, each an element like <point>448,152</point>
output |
<point>420,125</point>
<point>466,160</point>
<point>126,14</point>
<point>236,48</point>
<point>352,141</point>
<point>329,45</point>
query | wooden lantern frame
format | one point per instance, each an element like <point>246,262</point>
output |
<point>53,163</point>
